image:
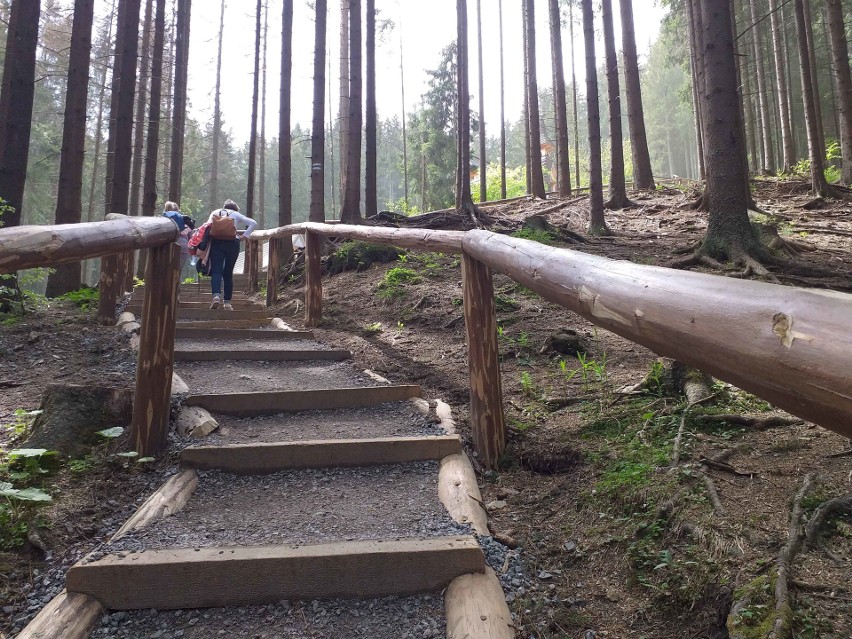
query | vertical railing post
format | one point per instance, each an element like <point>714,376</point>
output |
<point>108,286</point>
<point>313,279</point>
<point>273,269</point>
<point>486,393</point>
<point>152,401</point>
<point>255,250</point>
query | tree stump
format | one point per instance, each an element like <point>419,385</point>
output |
<point>72,415</point>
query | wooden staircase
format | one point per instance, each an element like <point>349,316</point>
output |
<point>393,517</point>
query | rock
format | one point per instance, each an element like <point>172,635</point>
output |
<point>134,343</point>
<point>125,318</point>
<point>505,493</point>
<point>72,415</point>
<point>195,422</point>
<point>567,342</point>
<point>496,505</point>
<point>179,386</point>
<point>131,327</point>
<point>570,546</point>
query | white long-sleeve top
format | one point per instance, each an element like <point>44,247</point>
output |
<point>239,218</point>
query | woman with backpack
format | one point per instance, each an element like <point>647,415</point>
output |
<point>225,249</point>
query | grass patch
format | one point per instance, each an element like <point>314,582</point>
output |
<point>84,298</point>
<point>394,283</point>
<point>536,235</point>
<point>359,256</point>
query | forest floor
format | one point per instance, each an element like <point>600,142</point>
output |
<point>613,540</point>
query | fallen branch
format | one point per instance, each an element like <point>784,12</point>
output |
<point>758,422</point>
<point>724,467</point>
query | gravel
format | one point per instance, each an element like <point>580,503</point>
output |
<point>388,618</point>
<point>244,377</point>
<point>266,344</point>
<point>393,419</point>
<point>299,507</point>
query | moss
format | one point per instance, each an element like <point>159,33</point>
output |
<point>358,256</point>
<point>757,615</point>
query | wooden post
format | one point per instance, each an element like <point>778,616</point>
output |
<point>486,393</point>
<point>273,269</point>
<point>151,405</point>
<point>108,287</point>
<point>253,259</point>
<point>313,279</point>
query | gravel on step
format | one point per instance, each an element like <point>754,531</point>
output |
<point>392,419</point>
<point>388,618</point>
<point>302,507</point>
<point>218,345</point>
<point>248,376</point>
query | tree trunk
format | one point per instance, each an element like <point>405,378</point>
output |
<point>252,152</point>
<point>370,172</point>
<point>149,196</point>
<point>261,183</point>
<point>217,117</point>
<point>351,209</point>
<point>768,166</point>
<point>483,166</point>
<point>643,175</point>
<point>16,105</point>
<point>729,233</point>
<point>750,120</point>
<point>527,151</point>
<point>69,201</point>
<point>464,197</point>
<point>597,223</point>
<point>787,142</point>
<point>819,184</point>
<point>562,164</point>
<point>537,175</point>
<point>617,184</point>
<point>502,109</point>
<point>139,120</point>
<point>574,94</point>
<point>169,80</point>
<point>404,127</point>
<point>817,99</point>
<point>343,108</point>
<point>697,68</point>
<point>285,159</point>
<point>317,212</point>
<point>179,113</point>
<point>842,82</point>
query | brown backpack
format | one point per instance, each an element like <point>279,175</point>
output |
<point>222,227</point>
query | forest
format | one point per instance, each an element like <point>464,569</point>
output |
<point>636,496</point>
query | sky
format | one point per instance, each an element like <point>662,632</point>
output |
<point>422,29</point>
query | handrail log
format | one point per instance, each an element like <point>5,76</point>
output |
<point>23,247</point>
<point>790,346</point>
<point>421,239</point>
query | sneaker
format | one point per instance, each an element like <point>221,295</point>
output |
<point>215,303</point>
<point>227,306</point>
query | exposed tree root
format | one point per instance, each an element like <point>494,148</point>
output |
<point>724,467</point>
<point>837,506</point>
<point>539,223</point>
<point>758,422</point>
<point>617,203</point>
<point>712,492</point>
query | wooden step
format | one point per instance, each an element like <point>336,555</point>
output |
<point>136,307</point>
<point>270,403</point>
<point>215,577</point>
<point>213,334</point>
<point>186,355</point>
<point>220,313</point>
<point>257,459</point>
<point>225,323</point>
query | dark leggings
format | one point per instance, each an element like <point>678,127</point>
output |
<point>223,256</point>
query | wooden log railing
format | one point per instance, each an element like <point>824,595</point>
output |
<point>23,247</point>
<point>789,346</point>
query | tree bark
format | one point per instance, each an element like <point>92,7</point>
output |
<point>261,183</point>
<point>819,184</point>
<point>697,68</point>
<point>537,175</point>
<point>404,125</point>
<point>16,105</point>
<point>370,170</point>
<point>343,108</point>
<point>617,183</point>
<point>483,166</point>
<point>643,175</point>
<point>69,201</point>
<point>817,105</point>
<point>502,109</point>
<point>351,207</point>
<point>285,160</point>
<point>768,166</point>
<point>181,68</point>
<point>527,151</point>
<point>787,140</point>
<point>597,223</point>
<point>464,197</point>
<point>562,164</point>
<point>139,120</point>
<point>842,82</point>
<point>317,212</point>
<point>574,94</point>
<point>217,116</point>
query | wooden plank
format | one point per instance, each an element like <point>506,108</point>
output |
<point>274,265</point>
<point>108,289</point>
<point>224,323</point>
<point>67,616</point>
<point>228,333</point>
<point>186,355</point>
<point>483,353</point>
<point>476,608</point>
<point>255,459</point>
<point>214,577</point>
<point>250,404</point>
<point>136,307</point>
<point>790,346</point>
<point>253,250</point>
<point>459,492</point>
<point>152,400</point>
<point>237,314</point>
<point>170,498</point>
